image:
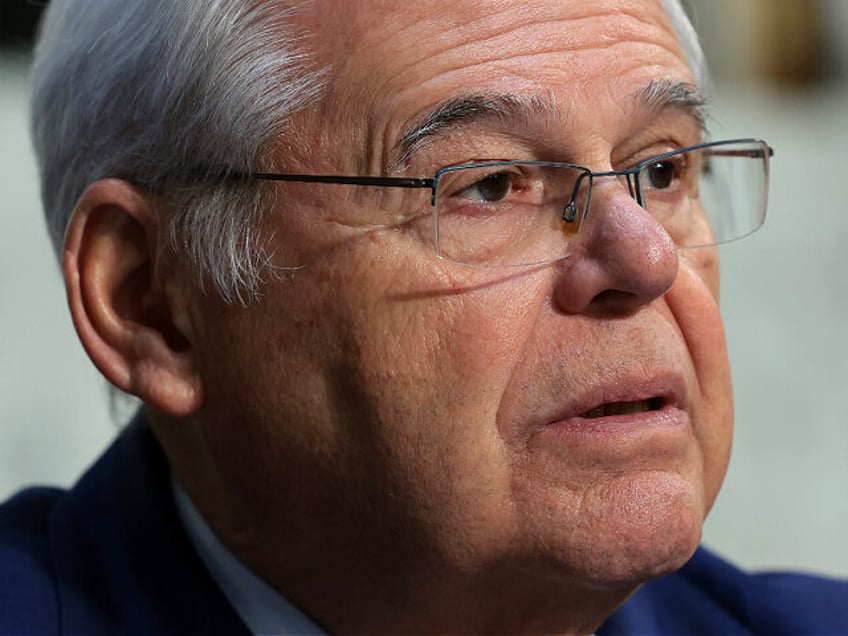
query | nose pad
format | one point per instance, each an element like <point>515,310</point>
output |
<point>569,213</point>
<point>624,260</point>
<point>570,221</point>
<point>574,212</point>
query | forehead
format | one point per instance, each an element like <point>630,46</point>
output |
<point>394,62</point>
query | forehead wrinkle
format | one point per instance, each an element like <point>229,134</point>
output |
<point>659,95</point>
<point>507,110</point>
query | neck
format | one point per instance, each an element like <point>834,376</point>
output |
<point>351,578</point>
<point>349,592</point>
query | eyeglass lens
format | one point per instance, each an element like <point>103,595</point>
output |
<point>513,213</point>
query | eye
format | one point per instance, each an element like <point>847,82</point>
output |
<point>491,188</point>
<point>660,174</point>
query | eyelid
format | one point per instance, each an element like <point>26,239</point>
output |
<point>645,156</point>
<point>454,181</point>
<point>654,142</point>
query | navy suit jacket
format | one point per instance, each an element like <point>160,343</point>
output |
<point>110,556</point>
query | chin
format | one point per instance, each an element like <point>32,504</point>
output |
<point>631,532</point>
<point>647,560</point>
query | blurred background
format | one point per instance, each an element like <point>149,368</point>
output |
<point>780,70</point>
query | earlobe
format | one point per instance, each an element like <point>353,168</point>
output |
<point>123,294</point>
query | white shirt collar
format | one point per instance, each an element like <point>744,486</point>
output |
<point>263,609</point>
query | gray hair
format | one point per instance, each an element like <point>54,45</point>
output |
<point>689,42</point>
<point>146,90</point>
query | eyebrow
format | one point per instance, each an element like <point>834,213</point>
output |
<point>523,112</point>
<point>465,110</point>
<point>659,95</point>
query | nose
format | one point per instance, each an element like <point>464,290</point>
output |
<point>623,259</point>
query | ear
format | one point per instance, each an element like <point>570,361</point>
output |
<point>128,299</point>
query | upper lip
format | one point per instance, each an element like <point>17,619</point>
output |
<point>659,389</point>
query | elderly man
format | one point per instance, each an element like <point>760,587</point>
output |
<point>421,302</point>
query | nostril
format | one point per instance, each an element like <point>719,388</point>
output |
<point>615,302</point>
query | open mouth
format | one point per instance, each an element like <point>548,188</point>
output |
<point>624,408</point>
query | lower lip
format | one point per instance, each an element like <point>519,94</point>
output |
<point>667,419</point>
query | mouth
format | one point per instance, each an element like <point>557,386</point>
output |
<point>624,408</point>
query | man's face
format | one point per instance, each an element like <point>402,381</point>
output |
<point>570,421</point>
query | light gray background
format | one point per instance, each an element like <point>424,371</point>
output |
<point>784,297</point>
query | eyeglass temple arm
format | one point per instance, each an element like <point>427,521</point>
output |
<point>753,153</point>
<point>386,182</point>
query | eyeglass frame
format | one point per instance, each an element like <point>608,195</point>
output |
<point>570,211</point>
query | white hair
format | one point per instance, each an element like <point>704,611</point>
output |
<point>689,43</point>
<point>154,90</point>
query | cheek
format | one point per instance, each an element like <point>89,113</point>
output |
<point>431,332</point>
<point>432,363</point>
<point>425,358</point>
<point>704,265</point>
<point>386,335</point>
<point>693,302</point>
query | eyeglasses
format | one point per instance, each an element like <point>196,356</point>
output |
<point>512,213</point>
